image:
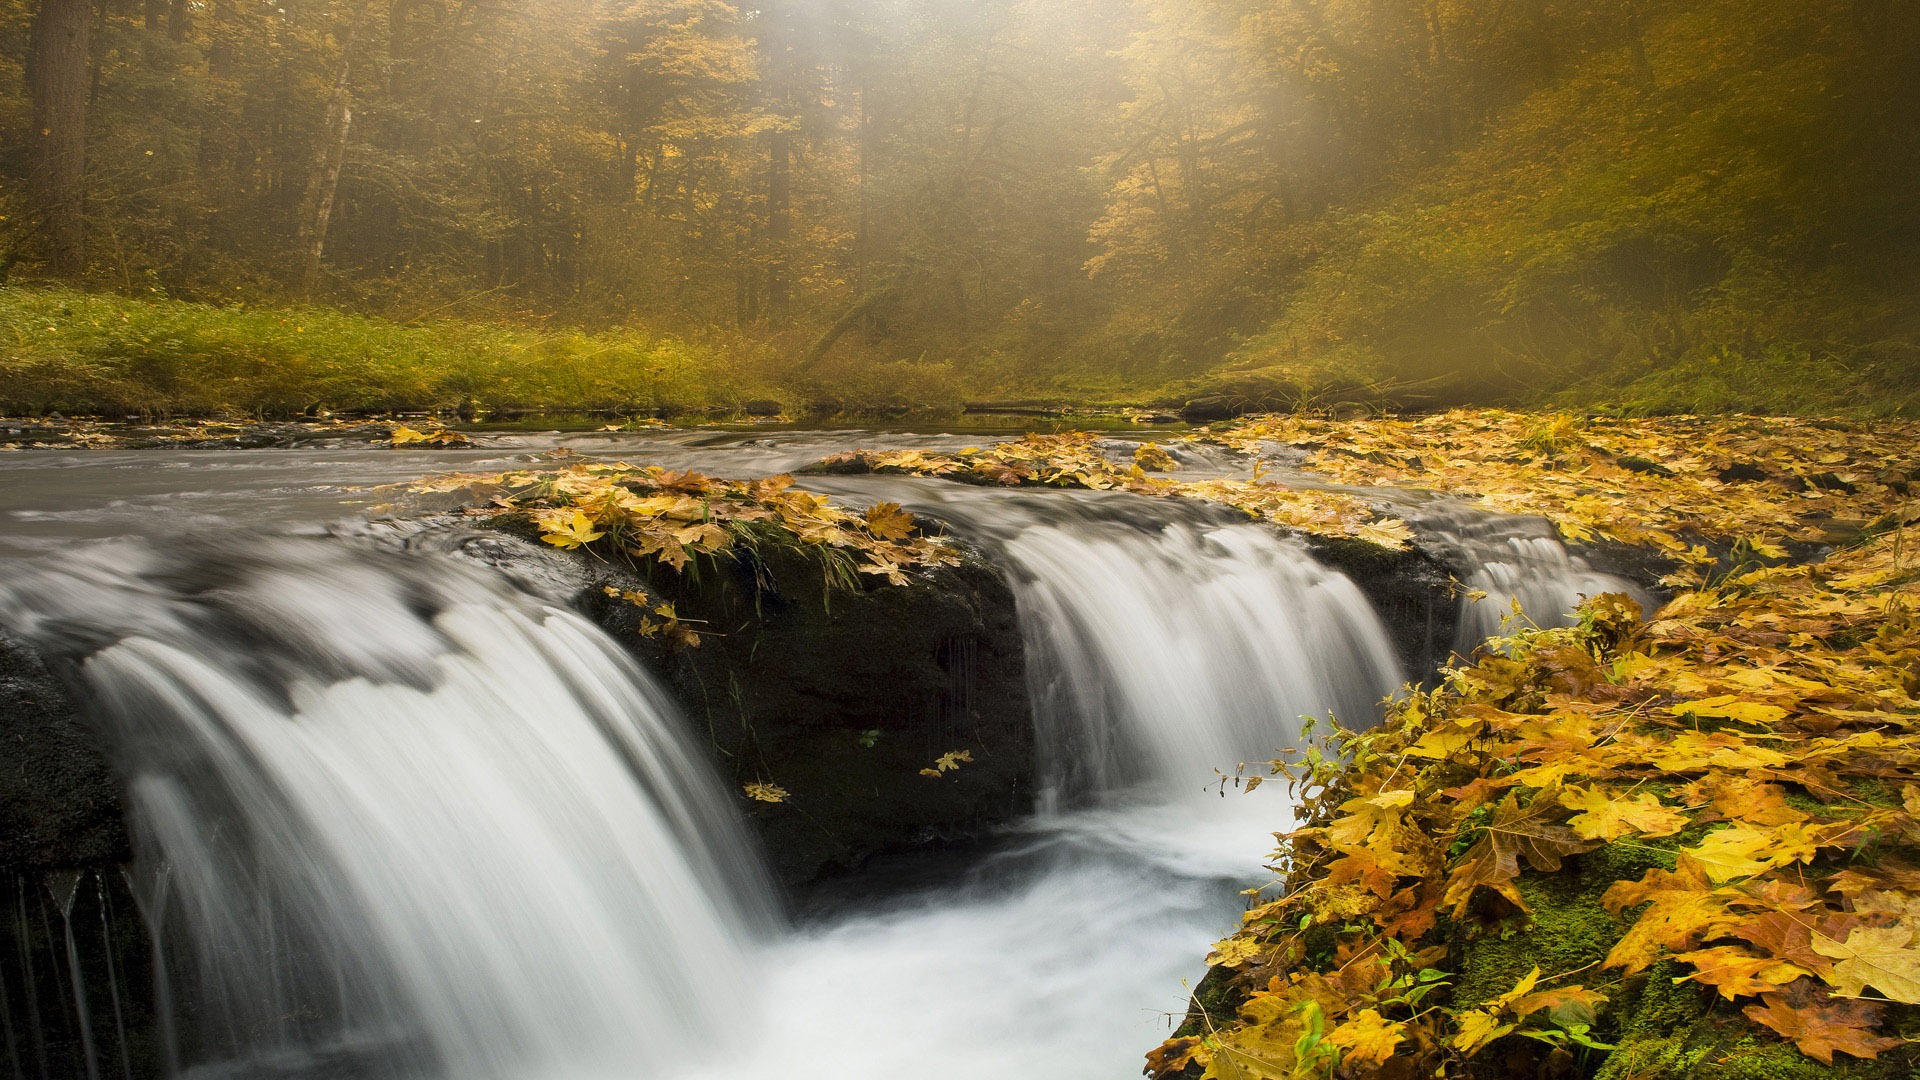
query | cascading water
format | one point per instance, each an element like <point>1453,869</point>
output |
<point>400,820</point>
<point>1165,643</point>
<point>397,820</point>
<point>1521,572</point>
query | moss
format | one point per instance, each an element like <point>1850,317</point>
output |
<point>1766,1058</point>
<point>1216,998</point>
<point>1643,1059</point>
<point>1878,792</point>
<point>1568,929</point>
<point>1678,1031</point>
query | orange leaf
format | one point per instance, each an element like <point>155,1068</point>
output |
<point>1819,1025</point>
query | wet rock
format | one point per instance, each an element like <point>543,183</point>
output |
<point>1411,591</point>
<point>841,698</point>
<point>59,799</point>
<point>837,696</point>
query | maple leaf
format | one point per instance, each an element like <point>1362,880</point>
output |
<point>570,531</point>
<point>1605,817</point>
<point>1555,998</point>
<point>1367,1037</point>
<point>1515,833</point>
<point>1819,1025</point>
<point>764,792</point>
<point>1440,743</point>
<point>885,567</point>
<point>1175,1055</point>
<point>1732,852</point>
<point>1233,951</point>
<point>1732,708</point>
<point>1743,798</point>
<point>1476,1028</point>
<point>1881,957</point>
<point>1734,972</point>
<point>948,762</point>
<point>1682,906</point>
<point>888,522</point>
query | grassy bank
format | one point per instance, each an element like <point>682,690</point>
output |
<point>83,353</point>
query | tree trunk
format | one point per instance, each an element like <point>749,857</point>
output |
<point>57,66</point>
<point>324,179</point>
<point>779,222</point>
<point>848,320</point>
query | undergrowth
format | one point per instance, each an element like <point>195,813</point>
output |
<point>81,353</point>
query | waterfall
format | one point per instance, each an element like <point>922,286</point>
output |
<point>395,819</point>
<point>1519,570</point>
<point>1165,640</point>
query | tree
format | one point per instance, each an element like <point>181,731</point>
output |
<point>57,77</point>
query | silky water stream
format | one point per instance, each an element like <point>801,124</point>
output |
<point>397,818</point>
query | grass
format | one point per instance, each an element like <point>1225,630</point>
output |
<point>98,354</point>
<point>82,353</point>
<point>1782,381</point>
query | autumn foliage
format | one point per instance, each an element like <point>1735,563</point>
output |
<point>1733,777</point>
<point>649,515</point>
<point>1078,460</point>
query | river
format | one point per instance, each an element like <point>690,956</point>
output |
<point>397,818</point>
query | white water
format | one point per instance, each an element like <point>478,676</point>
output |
<point>1163,648</point>
<point>416,825</point>
<point>1522,574</point>
<point>398,821</point>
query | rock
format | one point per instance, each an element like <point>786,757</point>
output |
<point>841,698</point>
<point>1205,409</point>
<point>1410,590</point>
<point>59,799</point>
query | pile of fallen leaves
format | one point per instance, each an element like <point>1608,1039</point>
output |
<point>1726,791</point>
<point>651,515</point>
<point>1076,460</point>
<point>1664,482</point>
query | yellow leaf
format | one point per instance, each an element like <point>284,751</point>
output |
<point>570,531</point>
<point>1475,1030</point>
<point>1233,951</point>
<point>1367,1037</point>
<point>888,522</point>
<point>764,792</point>
<point>1884,958</point>
<point>1733,708</point>
<point>1440,743</point>
<point>1738,851</point>
<point>1604,817</point>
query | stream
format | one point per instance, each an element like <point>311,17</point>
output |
<point>397,818</point>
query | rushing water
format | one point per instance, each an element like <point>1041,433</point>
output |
<point>398,818</point>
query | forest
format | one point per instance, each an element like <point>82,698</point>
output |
<point>857,539</point>
<point>1650,205</point>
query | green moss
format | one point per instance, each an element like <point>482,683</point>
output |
<point>1645,1059</point>
<point>1766,1058</point>
<point>1878,792</point>
<point>1215,1000</point>
<point>1678,1031</point>
<point>1567,930</point>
